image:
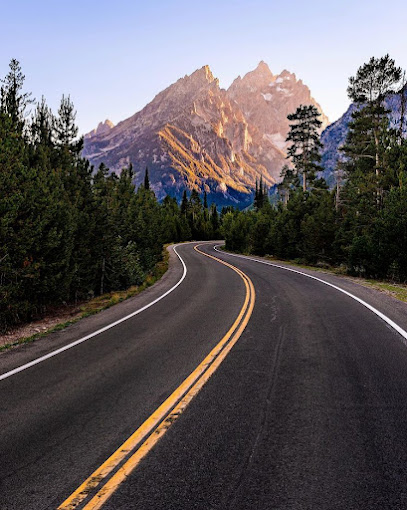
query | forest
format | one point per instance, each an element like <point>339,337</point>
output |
<point>362,224</point>
<point>69,232</point>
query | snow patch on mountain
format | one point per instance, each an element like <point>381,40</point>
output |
<point>276,139</point>
<point>268,96</point>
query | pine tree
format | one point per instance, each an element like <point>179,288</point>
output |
<point>184,203</point>
<point>195,214</point>
<point>265,195</point>
<point>373,82</point>
<point>369,164</point>
<point>42,125</point>
<point>65,128</point>
<point>146,180</point>
<point>205,207</point>
<point>290,182</point>
<point>214,221</point>
<point>304,150</point>
<point>14,102</point>
<point>256,196</point>
<point>260,197</point>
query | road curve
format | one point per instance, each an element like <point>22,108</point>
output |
<point>308,410</point>
<point>63,417</point>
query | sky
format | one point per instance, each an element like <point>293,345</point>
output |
<point>113,57</point>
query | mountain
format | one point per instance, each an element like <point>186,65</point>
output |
<point>102,129</point>
<point>194,134</point>
<point>266,100</point>
<point>334,136</point>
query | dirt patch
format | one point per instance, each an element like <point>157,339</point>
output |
<point>58,316</point>
<point>63,316</point>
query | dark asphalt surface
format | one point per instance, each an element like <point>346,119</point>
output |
<point>308,411</point>
<point>62,418</point>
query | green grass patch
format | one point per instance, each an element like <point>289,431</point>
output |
<point>396,290</point>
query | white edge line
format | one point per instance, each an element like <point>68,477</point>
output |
<point>99,331</point>
<point>386,319</point>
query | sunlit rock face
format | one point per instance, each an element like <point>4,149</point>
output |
<point>102,129</point>
<point>196,135</point>
<point>266,100</point>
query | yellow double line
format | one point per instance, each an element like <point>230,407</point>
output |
<point>107,478</point>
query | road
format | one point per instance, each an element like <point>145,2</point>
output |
<point>307,410</point>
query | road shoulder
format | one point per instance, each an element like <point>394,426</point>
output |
<point>394,308</point>
<point>25,352</point>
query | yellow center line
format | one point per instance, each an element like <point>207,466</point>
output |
<point>162,418</point>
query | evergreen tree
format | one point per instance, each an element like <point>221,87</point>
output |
<point>205,207</point>
<point>66,130</point>
<point>214,216</point>
<point>373,82</point>
<point>304,150</point>
<point>290,182</point>
<point>146,180</point>
<point>368,136</point>
<point>184,203</point>
<point>260,195</point>
<point>13,101</point>
<point>41,128</point>
<point>195,214</point>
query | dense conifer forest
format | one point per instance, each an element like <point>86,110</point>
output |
<point>68,231</point>
<point>362,224</point>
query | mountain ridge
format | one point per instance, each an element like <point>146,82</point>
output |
<point>196,135</point>
<point>334,135</point>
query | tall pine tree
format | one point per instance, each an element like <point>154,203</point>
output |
<point>304,150</point>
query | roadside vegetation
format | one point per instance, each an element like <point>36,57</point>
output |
<point>361,225</point>
<point>396,290</point>
<point>90,307</point>
<point>69,232</point>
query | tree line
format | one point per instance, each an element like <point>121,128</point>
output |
<point>68,232</point>
<point>362,224</point>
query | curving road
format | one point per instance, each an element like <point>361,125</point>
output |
<point>308,409</point>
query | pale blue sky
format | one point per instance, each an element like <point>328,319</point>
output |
<point>113,57</point>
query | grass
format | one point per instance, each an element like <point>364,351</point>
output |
<point>396,290</point>
<point>100,303</point>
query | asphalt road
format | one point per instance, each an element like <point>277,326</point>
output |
<point>307,411</point>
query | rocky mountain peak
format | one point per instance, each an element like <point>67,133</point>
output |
<point>263,69</point>
<point>267,99</point>
<point>253,80</point>
<point>287,75</point>
<point>196,135</point>
<point>201,77</point>
<point>102,128</point>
